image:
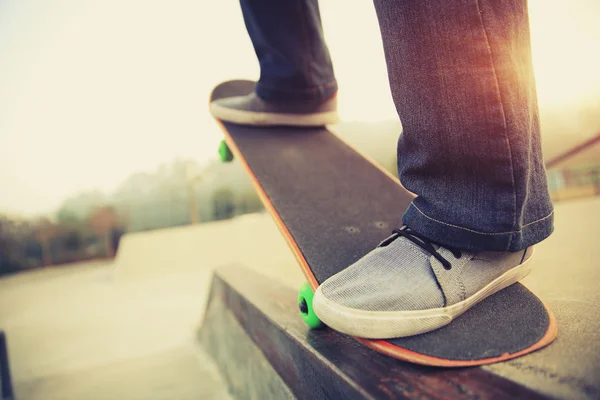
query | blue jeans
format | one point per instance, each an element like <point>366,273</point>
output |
<point>462,81</point>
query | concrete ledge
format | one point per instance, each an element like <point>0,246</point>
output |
<point>264,350</point>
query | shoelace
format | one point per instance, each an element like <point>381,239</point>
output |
<point>423,243</point>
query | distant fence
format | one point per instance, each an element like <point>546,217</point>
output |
<point>573,151</point>
<point>6,391</point>
<point>574,183</point>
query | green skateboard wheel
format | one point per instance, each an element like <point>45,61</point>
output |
<point>305,299</point>
<point>224,152</point>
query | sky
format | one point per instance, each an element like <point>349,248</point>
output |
<point>93,91</point>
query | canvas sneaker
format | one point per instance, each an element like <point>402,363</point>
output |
<point>252,110</point>
<point>409,285</point>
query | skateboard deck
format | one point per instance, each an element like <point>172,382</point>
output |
<point>333,206</point>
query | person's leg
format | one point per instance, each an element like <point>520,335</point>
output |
<point>462,80</point>
<point>288,39</point>
<point>297,84</point>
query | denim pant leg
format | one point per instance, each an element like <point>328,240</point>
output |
<point>288,39</point>
<point>462,81</point>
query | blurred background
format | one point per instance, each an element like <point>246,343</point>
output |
<point>106,139</point>
<point>104,127</point>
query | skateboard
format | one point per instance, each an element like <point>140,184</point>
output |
<point>333,206</point>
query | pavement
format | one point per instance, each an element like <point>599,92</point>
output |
<point>76,332</point>
<point>566,276</point>
<point>127,329</point>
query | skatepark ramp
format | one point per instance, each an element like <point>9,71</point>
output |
<point>250,239</point>
<point>253,332</point>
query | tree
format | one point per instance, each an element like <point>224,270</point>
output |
<point>45,232</point>
<point>248,202</point>
<point>8,246</point>
<point>78,207</point>
<point>65,215</point>
<point>223,204</point>
<point>73,241</point>
<point>104,221</point>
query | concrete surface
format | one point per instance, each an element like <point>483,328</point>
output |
<point>77,333</point>
<point>252,240</point>
<point>243,365</point>
<point>126,329</point>
<point>567,277</point>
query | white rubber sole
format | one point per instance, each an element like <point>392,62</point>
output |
<point>394,324</point>
<point>272,119</point>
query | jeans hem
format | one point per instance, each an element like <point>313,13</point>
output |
<point>277,93</point>
<point>454,236</point>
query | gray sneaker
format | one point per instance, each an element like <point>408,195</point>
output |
<point>252,110</point>
<point>408,286</point>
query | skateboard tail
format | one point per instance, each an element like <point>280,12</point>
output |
<point>391,350</point>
